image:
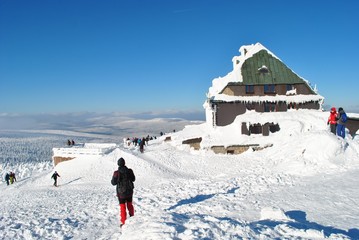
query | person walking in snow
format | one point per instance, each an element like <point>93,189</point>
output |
<point>332,120</point>
<point>12,177</point>
<point>123,178</point>
<point>55,176</point>
<point>341,120</point>
<point>7,178</point>
<point>142,145</point>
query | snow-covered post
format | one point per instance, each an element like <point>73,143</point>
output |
<point>211,110</point>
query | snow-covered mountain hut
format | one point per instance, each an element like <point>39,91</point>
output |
<point>259,82</point>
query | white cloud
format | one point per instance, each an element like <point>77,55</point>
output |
<point>122,124</point>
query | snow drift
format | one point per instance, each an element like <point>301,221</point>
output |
<point>303,187</point>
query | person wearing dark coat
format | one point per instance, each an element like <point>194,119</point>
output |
<point>342,118</point>
<point>55,176</point>
<point>7,178</point>
<point>142,145</point>
<point>123,178</point>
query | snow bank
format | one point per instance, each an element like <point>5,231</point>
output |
<point>300,188</point>
<point>274,213</point>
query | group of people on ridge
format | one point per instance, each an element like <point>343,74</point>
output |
<point>10,178</point>
<point>140,142</point>
<point>70,142</point>
<point>337,121</point>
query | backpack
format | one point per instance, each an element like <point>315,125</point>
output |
<point>124,183</point>
<point>344,118</point>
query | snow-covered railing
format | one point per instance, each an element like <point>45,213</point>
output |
<point>100,145</point>
<point>84,149</point>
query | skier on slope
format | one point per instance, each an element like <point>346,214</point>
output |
<point>123,178</point>
<point>55,176</point>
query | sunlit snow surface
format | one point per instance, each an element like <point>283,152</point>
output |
<point>304,187</point>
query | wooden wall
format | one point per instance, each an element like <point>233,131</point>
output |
<point>57,159</point>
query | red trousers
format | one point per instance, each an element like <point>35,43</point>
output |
<point>131,211</point>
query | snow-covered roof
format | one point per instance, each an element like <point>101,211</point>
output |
<point>247,51</point>
<point>236,76</point>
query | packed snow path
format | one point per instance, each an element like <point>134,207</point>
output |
<point>185,195</point>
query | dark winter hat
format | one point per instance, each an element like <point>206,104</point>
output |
<point>340,109</point>
<point>121,162</point>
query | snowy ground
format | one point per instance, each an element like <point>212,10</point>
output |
<point>304,187</point>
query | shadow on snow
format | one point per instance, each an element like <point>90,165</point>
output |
<point>74,180</point>
<point>199,198</point>
<point>299,222</point>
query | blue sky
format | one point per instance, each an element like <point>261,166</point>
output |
<point>59,56</point>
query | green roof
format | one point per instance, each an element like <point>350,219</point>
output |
<point>278,72</point>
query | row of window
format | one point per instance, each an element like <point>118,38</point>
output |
<point>268,88</point>
<point>269,106</point>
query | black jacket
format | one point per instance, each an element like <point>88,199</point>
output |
<point>117,177</point>
<point>55,175</point>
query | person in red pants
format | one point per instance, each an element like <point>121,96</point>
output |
<point>123,178</point>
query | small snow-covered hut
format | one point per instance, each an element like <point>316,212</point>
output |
<point>259,82</point>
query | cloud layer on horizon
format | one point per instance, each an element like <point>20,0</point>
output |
<point>133,124</point>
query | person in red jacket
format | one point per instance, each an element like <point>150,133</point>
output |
<point>332,120</point>
<point>123,178</point>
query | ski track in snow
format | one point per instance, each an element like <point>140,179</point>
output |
<point>180,195</point>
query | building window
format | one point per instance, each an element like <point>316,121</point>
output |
<point>255,128</point>
<point>249,89</point>
<point>292,106</point>
<point>214,107</point>
<point>263,70</point>
<point>269,88</point>
<point>250,106</point>
<point>289,87</point>
<point>269,107</point>
<point>274,128</point>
